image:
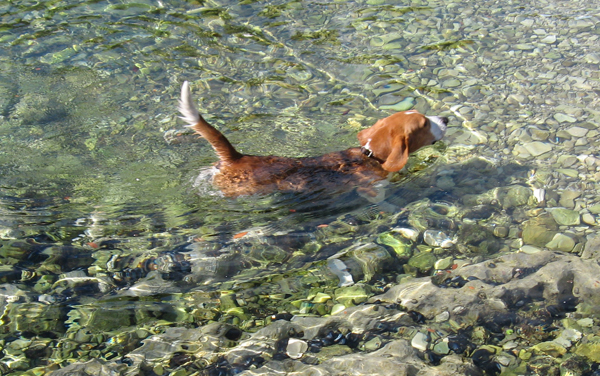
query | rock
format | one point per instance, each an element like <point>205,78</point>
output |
<point>408,233</point>
<point>586,322</point>
<point>553,272</point>
<point>540,230</point>
<point>565,217</point>
<point>436,238</point>
<point>588,219</point>
<point>592,249</point>
<point>590,350</point>
<point>351,295</point>
<point>444,263</point>
<point>423,261</point>
<point>337,308</point>
<point>419,341</point>
<point>441,348</point>
<point>403,105</point>
<point>561,242</point>
<point>567,337</point>
<point>549,348</point>
<point>577,131</point>
<point>530,249</point>
<point>537,148</point>
<point>401,246</point>
<point>515,195</point>
<point>451,82</point>
<point>563,118</point>
<point>296,348</point>
<point>567,198</point>
<point>91,367</point>
<point>549,39</point>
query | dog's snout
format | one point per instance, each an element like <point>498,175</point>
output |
<point>444,120</point>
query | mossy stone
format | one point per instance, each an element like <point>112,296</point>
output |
<point>351,295</point>
<point>423,261</point>
<point>516,195</point>
<point>589,350</point>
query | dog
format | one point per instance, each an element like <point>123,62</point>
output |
<point>384,149</point>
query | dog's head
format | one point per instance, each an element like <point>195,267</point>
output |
<point>392,139</point>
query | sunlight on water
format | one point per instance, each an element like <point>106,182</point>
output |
<point>116,258</point>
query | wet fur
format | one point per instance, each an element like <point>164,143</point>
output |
<point>390,141</point>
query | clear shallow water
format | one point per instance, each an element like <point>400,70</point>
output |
<point>94,201</point>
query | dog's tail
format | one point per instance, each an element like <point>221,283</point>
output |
<point>190,115</point>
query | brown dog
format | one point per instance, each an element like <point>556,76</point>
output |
<point>385,149</point>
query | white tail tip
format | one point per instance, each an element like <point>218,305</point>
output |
<point>186,106</point>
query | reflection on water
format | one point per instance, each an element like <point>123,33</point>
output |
<point>112,259</point>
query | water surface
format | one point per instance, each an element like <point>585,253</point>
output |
<point>106,237</point>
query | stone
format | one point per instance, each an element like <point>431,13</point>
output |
<point>537,148</point>
<point>423,261</point>
<point>561,242</point>
<point>588,219</point>
<point>590,350</point>
<point>567,198</point>
<point>419,341</point>
<point>296,348</point>
<point>337,308</point>
<point>586,322</point>
<point>441,348</point>
<point>563,118</point>
<point>444,263</point>
<point>524,46</point>
<point>565,217</point>
<point>594,209</point>
<point>436,238</point>
<point>591,251</point>
<point>515,195</point>
<point>577,131</point>
<point>451,82</point>
<point>530,250</point>
<point>549,348</point>
<point>401,246</point>
<point>549,39</point>
<point>351,295</point>
<point>539,230</point>
<point>403,105</point>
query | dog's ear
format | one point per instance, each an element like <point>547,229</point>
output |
<point>398,156</point>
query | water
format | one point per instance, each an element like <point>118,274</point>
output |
<point>106,239</point>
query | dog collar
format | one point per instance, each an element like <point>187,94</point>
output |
<point>366,151</point>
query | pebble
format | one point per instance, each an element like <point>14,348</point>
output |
<point>549,39</point>
<point>577,131</point>
<point>337,308</point>
<point>436,238</point>
<point>441,317</point>
<point>408,233</point>
<point>441,347</point>
<point>529,249</point>
<point>452,82</point>
<point>588,219</point>
<point>537,148</point>
<point>562,118</point>
<point>296,348</point>
<point>419,341</point>
<point>403,105</point>
<point>586,322</point>
<point>444,263</point>
<point>561,242</point>
<point>565,217</point>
